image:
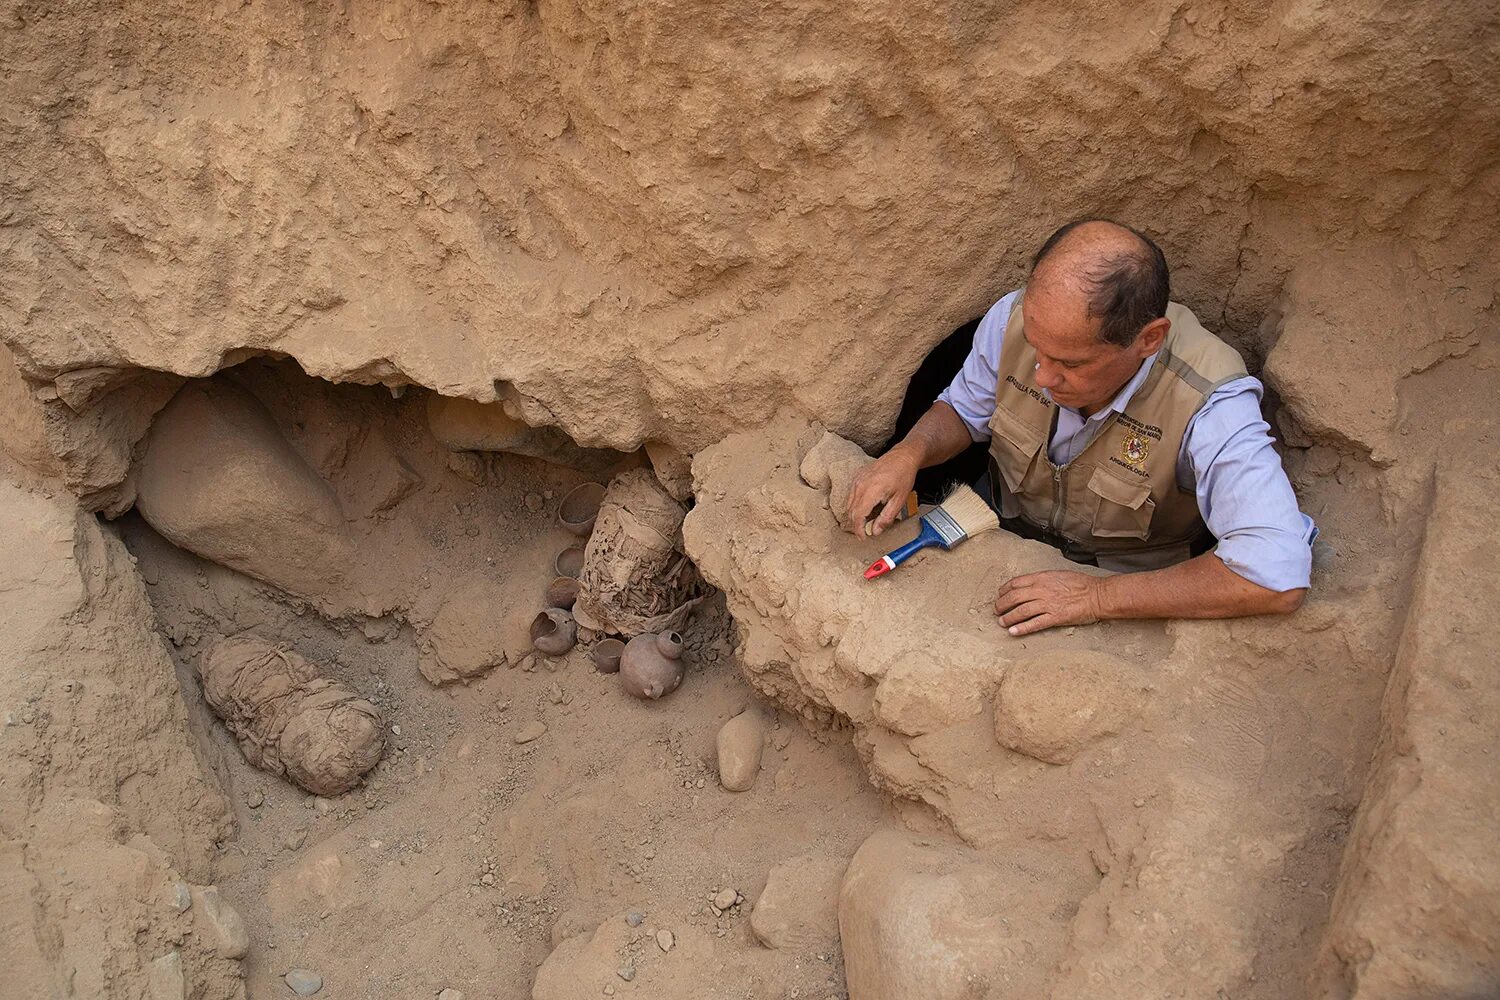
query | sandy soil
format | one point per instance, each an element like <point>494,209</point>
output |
<point>466,857</point>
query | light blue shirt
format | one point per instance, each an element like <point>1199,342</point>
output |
<point>1227,459</point>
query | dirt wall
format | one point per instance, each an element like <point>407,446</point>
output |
<point>665,221</point>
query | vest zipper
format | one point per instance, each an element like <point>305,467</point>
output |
<point>1057,497</point>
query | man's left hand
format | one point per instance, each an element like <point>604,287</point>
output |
<point>1046,600</point>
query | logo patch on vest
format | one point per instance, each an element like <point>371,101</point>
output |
<point>1134,449</point>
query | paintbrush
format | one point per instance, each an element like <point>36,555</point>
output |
<point>963,514</point>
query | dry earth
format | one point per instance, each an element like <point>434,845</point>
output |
<point>311,315</point>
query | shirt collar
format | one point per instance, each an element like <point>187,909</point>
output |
<point>1123,397</point>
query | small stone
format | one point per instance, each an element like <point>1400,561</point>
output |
<point>182,897</point>
<point>295,838</point>
<point>626,972</point>
<point>304,982</point>
<point>609,990</point>
<point>487,879</point>
<point>634,918</point>
<point>395,730</point>
<point>533,502</point>
<point>451,994</point>
<point>531,731</point>
<point>725,898</point>
<point>324,806</point>
<point>665,940</point>
<point>1138,803</point>
<point>555,693</point>
<point>166,981</point>
<point>255,799</point>
<point>740,743</point>
<point>233,939</point>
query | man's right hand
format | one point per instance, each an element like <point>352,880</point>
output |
<point>886,481</point>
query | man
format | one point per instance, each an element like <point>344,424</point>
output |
<point>1121,432</point>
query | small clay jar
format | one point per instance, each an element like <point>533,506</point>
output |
<point>554,632</point>
<point>651,665</point>
<point>561,592</point>
<point>569,561</point>
<point>580,508</point>
<point>607,655</point>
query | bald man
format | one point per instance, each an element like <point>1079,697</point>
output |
<point>1123,433</point>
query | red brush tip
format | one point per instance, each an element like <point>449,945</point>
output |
<point>879,567</point>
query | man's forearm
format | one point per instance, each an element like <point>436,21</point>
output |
<point>1202,587</point>
<point>937,437</point>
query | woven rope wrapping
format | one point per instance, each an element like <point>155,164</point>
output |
<point>288,718</point>
<point>635,577</point>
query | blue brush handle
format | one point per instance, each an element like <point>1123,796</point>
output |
<point>926,539</point>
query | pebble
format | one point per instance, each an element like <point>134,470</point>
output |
<point>229,928</point>
<point>665,940</point>
<point>533,501</point>
<point>182,897</point>
<point>634,918</point>
<point>740,743</point>
<point>626,972</point>
<point>295,839</point>
<point>255,799</point>
<point>725,898</point>
<point>531,731</point>
<point>304,982</point>
<point>165,982</point>
<point>487,878</point>
<point>451,994</point>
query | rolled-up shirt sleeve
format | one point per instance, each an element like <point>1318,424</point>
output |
<point>1243,491</point>
<point>972,391</point>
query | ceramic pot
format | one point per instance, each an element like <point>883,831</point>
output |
<point>607,656</point>
<point>580,508</point>
<point>569,561</point>
<point>561,592</point>
<point>554,632</point>
<point>651,665</point>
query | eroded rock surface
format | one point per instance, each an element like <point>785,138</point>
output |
<point>1417,913</point>
<point>1054,708</point>
<point>631,233</point>
<point>105,810</point>
<point>1157,783</point>
<point>799,907</point>
<point>219,480</point>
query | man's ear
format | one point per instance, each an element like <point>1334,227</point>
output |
<point>1151,336</point>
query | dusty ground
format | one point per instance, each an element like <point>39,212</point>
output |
<point>470,850</point>
<point>616,809</point>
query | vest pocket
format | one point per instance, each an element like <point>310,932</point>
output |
<point>1013,446</point>
<point>1121,509</point>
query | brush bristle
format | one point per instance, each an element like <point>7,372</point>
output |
<point>971,513</point>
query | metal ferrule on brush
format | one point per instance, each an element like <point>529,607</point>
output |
<point>947,528</point>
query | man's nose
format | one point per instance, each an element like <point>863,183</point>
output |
<point>1047,375</point>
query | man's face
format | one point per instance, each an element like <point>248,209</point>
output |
<point>1078,369</point>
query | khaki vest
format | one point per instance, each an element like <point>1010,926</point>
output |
<point>1117,503</point>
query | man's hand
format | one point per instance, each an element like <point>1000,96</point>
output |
<point>887,480</point>
<point>1040,601</point>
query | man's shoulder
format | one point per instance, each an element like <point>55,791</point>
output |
<point>992,327</point>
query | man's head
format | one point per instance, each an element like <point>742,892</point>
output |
<point>1094,309</point>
